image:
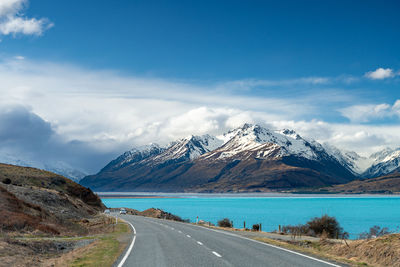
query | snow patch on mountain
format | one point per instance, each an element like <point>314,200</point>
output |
<point>384,162</point>
<point>349,159</point>
<point>140,152</point>
<point>189,148</point>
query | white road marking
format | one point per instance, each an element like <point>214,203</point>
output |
<point>269,245</point>
<point>188,236</point>
<point>216,254</point>
<point>198,242</point>
<point>130,247</point>
<point>172,228</point>
<point>180,232</point>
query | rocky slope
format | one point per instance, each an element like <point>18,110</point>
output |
<point>247,159</point>
<point>32,200</point>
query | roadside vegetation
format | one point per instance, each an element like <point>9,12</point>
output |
<point>49,220</point>
<point>325,227</point>
<point>102,252</point>
<point>324,237</point>
<point>226,223</point>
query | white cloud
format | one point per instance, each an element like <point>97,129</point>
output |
<point>110,112</point>
<point>102,106</point>
<point>370,112</point>
<point>12,20</point>
<point>380,74</point>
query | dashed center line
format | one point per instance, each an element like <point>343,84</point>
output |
<point>216,254</point>
<point>198,242</point>
<point>188,236</point>
<point>180,232</point>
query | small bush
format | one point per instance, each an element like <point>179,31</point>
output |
<point>375,231</point>
<point>324,226</point>
<point>256,227</point>
<point>225,223</point>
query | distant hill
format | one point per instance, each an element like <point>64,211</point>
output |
<point>37,200</point>
<point>56,166</point>
<point>388,184</point>
<point>247,159</point>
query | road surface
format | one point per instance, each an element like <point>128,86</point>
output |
<point>168,243</point>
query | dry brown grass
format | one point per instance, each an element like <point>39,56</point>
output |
<point>381,251</point>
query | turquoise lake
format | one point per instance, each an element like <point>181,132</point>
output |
<point>355,214</point>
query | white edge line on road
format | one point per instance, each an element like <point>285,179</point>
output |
<point>130,247</point>
<point>269,245</point>
<point>216,254</point>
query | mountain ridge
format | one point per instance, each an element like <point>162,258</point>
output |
<point>248,158</point>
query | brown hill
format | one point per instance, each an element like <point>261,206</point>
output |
<point>388,184</point>
<point>36,200</point>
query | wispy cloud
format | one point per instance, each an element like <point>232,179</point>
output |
<point>13,21</point>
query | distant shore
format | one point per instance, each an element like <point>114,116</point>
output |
<point>132,196</point>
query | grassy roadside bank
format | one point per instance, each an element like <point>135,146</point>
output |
<point>101,246</point>
<point>104,251</point>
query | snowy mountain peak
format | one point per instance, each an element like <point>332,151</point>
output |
<point>190,147</point>
<point>267,142</point>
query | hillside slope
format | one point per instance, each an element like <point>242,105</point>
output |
<point>35,200</point>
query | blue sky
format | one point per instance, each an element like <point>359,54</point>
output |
<point>103,76</point>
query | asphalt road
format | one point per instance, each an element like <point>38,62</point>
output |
<point>168,243</point>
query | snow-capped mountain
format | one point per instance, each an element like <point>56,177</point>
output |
<point>249,158</point>
<point>383,162</point>
<point>189,148</point>
<point>267,144</point>
<point>58,167</point>
<point>134,155</point>
<point>349,159</point>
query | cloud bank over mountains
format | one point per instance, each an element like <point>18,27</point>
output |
<point>85,117</point>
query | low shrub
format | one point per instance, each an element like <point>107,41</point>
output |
<point>256,227</point>
<point>375,231</point>
<point>225,223</point>
<point>324,226</point>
